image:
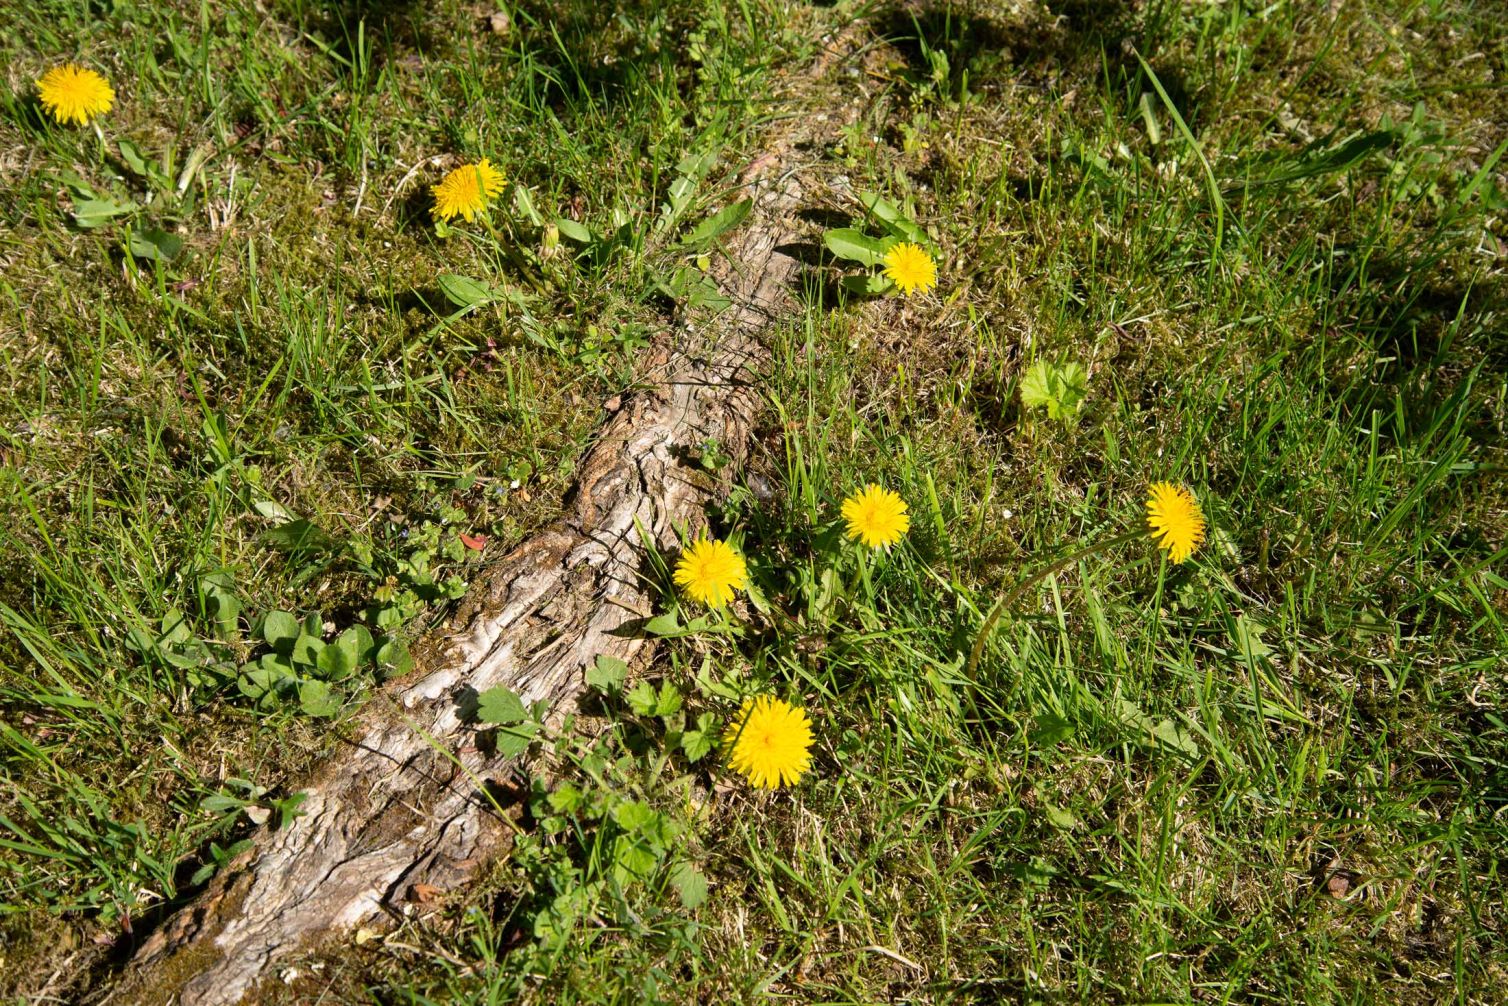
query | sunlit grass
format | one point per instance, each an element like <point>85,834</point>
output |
<point>1264,264</point>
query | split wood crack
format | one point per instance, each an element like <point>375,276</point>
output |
<point>397,808</point>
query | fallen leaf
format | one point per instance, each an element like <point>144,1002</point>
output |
<point>424,893</point>
<point>475,542</point>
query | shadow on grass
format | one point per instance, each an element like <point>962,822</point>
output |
<point>1071,43</point>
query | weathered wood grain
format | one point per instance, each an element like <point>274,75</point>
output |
<point>399,805</point>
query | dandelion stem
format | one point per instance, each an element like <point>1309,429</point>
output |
<point>1150,642</point>
<point>864,575</point>
<point>1015,593</point>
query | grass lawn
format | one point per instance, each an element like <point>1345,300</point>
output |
<point>251,388</point>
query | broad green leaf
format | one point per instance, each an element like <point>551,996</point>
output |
<point>273,510</point>
<point>393,659</point>
<point>141,641</point>
<point>263,678</point>
<point>133,158</point>
<point>219,857</point>
<point>565,798</point>
<point>357,643</point>
<point>663,625</point>
<point>697,165</point>
<point>463,291</point>
<point>221,603</point>
<point>634,815</point>
<point>756,597</point>
<point>693,287</point>
<point>1036,385</point>
<point>1051,729</point>
<point>287,808</point>
<point>306,650</point>
<point>718,224</point>
<point>514,739</point>
<point>689,173</point>
<point>222,803</point>
<point>316,699</point>
<point>1072,387</point>
<point>1132,715</point>
<point>91,213</point>
<point>676,284</point>
<point>704,295</point>
<point>571,229</point>
<point>716,687</point>
<point>856,246</point>
<point>186,655</point>
<point>175,627</point>
<point>642,699</point>
<point>155,244</point>
<point>500,705</point>
<point>690,883</point>
<point>669,702</point>
<point>1060,817</point>
<point>867,284</point>
<point>280,629</point>
<point>335,661</point>
<point>679,193</point>
<point>607,675</point>
<point>882,208</point>
<point>1058,389</point>
<point>277,665</point>
<point>697,743</point>
<point>77,186</point>
<point>1170,733</point>
<point>1035,872</point>
<point>633,859</point>
<point>298,536</point>
<point>892,219</point>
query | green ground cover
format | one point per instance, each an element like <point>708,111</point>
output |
<point>1254,250</point>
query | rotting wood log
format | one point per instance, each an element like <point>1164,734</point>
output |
<point>398,805</point>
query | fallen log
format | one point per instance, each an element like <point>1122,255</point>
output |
<point>398,806</point>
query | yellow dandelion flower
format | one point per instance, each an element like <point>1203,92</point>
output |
<point>467,191</point>
<point>74,93</point>
<point>910,268</point>
<point>876,516</point>
<point>769,742</point>
<point>710,571</point>
<point>1175,520</point>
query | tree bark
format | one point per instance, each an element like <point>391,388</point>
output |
<point>399,804</point>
